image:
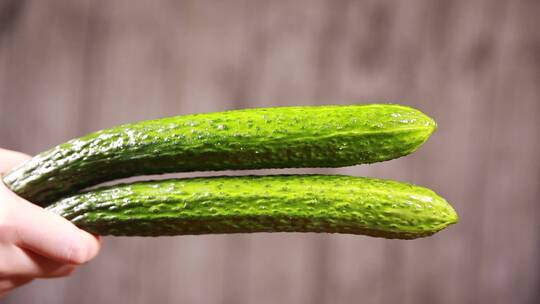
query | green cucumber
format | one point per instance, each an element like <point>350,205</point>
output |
<point>283,137</point>
<point>241,204</point>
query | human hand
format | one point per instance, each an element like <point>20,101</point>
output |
<point>35,243</point>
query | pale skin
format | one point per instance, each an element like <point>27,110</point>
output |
<point>35,243</point>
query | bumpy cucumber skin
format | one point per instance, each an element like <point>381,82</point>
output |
<point>282,137</point>
<point>279,203</point>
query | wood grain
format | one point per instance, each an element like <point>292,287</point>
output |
<point>71,67</point>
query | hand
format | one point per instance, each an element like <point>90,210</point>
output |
<point>35,243</point>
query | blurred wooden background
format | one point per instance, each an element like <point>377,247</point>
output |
<point>71,67</point>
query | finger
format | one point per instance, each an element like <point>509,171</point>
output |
<point>10,159</point>
<point>47,268</point>
<point>17,262</point>
<point>61,240</point>
<point>44,232</point>
<point>8,285</point>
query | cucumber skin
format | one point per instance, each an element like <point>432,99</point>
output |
<point>282,137</point>
<point>241,204</point>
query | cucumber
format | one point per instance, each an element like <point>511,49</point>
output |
<point>283,137</point>
<point>278,203</point>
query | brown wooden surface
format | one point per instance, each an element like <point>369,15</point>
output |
<point>71,67</point>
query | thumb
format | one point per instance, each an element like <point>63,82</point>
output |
<point>10,159</point>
